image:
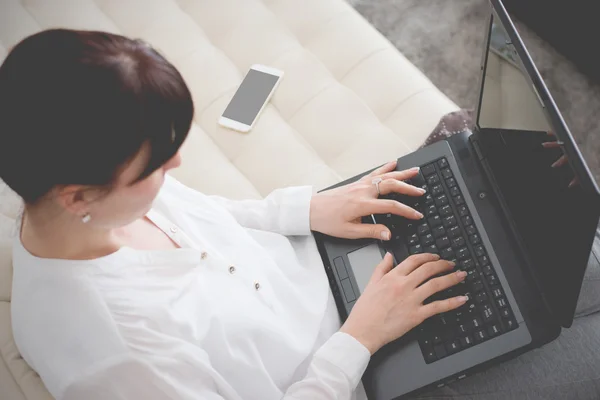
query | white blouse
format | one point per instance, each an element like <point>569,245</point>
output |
<point>242,311</point>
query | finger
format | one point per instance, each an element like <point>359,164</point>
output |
<point>435,285</point>
<point>401,175</point>
<point>375,231</point>
<point>395,186</point>
<point>441,306</point>
<point>382,268</point>
<point>383,206</point>
<point>429,270</point>
<point>383,169</point>
<point>413,262</point>
<point>552,145</point>
<point>560,162</point>
<point>550,133</point>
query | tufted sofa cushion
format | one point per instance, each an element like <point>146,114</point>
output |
<point>349,101</point>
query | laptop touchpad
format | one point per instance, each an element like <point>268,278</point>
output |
<point>363,262</point>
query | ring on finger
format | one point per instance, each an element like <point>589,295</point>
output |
<point>376,182</point>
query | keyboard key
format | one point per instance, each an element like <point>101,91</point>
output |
<point>451,182</point>
<point>492,280</point>
<point>428,199</point>
<point>454,191</point>
<point>413,239</point>
<point>475,323</point>
<point>467,220</point>
<point>497,292</point>
<point>466,341</point>
<point>487,270</point>
<point>453,346</point>
<point>438,231</point>
<point>433,179</point>
<point>442,242</point>
<point>437,339</point>
<point>462,211</point>
<point>418,180</point>
<point>474,239</point>
<point>468,263</point>
<point>494,330</point>
<point>505,313</point>
<point>443,163</point>
<point>430,210</point>
<point>487,313</point>
<point>446,173</point>
<point>434,221</point>
<point>416,249</point>
<point>447,254</point>
<point>458,242</point>
<point>440,351</point>
<point>471,275</point>
<point>481,297</point>
<point>454,232</point>
<point>446,211</point>
<point>479,251</point>
<point>462,253</point>
<point>480,336</point>
<point>501,302</point>
<point>428,169</point>
<point>427,239</point>
<point>470,230</point>
<point>429,356</point>
<point>422,229</point>
<point>441,200</point>
<point>510,324</point>
<point>458,200</point>
<point>430,249</point>
<point>477,286</point>
<point>449,221</point>
<point>483,260</point>
<point>437,190</point>
<point>463,328</point>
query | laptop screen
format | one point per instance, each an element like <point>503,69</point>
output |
<point>546,187</point>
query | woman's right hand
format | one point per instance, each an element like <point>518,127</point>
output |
<point>392,302</point>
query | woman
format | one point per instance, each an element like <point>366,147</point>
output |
<point>129,285</point>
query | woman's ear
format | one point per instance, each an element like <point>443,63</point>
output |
<point>74,198</point>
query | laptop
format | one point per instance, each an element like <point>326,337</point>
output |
<point>522,229</point>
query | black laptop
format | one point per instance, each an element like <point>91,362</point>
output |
<point>522,229</point>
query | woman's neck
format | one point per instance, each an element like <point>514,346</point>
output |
<point>58,234</point>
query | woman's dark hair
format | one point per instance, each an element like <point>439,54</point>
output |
<point>76,106</point>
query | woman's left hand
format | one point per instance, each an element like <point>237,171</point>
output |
<point>338,212</point>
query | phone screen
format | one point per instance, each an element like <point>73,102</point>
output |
<point>250,97</point>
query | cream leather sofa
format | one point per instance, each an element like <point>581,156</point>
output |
<point>349,101</point>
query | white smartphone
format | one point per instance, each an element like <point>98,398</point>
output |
<point>250,98</point>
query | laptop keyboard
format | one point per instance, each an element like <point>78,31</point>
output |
<point>448,230</point>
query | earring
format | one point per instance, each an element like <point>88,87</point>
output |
<point>86,218</point>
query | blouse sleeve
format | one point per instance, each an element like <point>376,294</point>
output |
<point>284,211</point>
<point>334,373</point>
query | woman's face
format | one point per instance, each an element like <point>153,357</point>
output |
<point>130,200</point>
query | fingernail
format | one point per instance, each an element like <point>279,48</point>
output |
<point>388,254</point>
<point>462,299</point>
<point>452,263</point>
<point>421,190</point>
<point>461,274</point>
<point>418,215</point>
<point>556,164</point>
<point>415,169</point>
<point>385,235</point>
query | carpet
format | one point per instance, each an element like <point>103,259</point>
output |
<point>444,39</point>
